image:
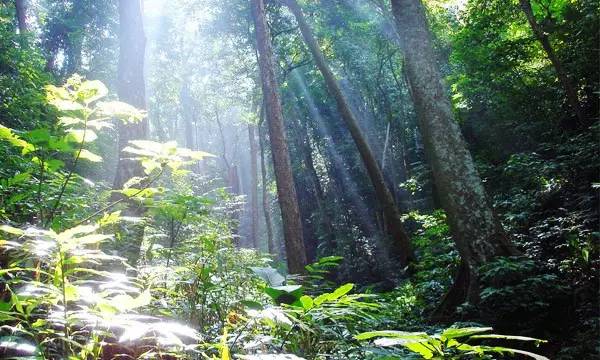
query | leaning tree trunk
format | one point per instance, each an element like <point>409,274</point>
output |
<point>288,201</point>
<point>400,247</point>
<point>477,232</point>
<point>253,186</point>
<point>130,88</point>
<point>566,82</point>
<point>21,10</point>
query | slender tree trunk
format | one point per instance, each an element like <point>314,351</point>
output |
<point>477,232</point>
<point>567,83</point>
<point>253,186</point>
<point>187,112</point>
<point>265,194</point>
<point>400,247</point>
<point>131,87</point>
<point>21,10</point>
<point>326,222</point>
<point>288,201</point>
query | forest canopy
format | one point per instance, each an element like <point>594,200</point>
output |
<point>299,179</point>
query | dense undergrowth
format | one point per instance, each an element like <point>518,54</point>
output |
<point>156,270</point>
<point>75,287</point>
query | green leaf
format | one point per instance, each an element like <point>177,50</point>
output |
<point>19,178</point>
<point>78,230</point>
<point>11,230</point>
<point>121,111</point>
<point>8,135</point>
<point>419,348</point>
<point>416,336</point>
<point>90,91</point>
<point>38,136</point>
<point>126,302</point>
<point>71,292</point>
<point>507,337</point>
<point>307,302</point>
<point>341,291</point>
<point>90,156</point>
<point>285,294</point>
<point>54,164</point>
<point>252,304</point>
<point>453,333</point>
<point>67,105</point>
<point>79,135</point>
<point>270,275</point>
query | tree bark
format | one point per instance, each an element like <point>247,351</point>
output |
<point>253,186</point>
<point>21,10</point>
<point>131,87</point>
<point>477,232</point>
<point>265,194</point>
<point>288,201</point>
<point>400,246</point>
<point>567,83</point>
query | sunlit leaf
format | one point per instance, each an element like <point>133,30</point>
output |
<point>453,333</point>
<point>307,302</point>
<point>90,91</point>
<point>11,230</point>
<point>126,302</point>
<point>67,105</point>
<point>78,135</point>
<point>121,110</point>
<point>90,156</point>
<point>8,135</point>
<point>417,336</point>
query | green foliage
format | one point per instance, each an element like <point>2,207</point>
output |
<point>61,298</point>
<point>22,77</point>
<point>451,343</point>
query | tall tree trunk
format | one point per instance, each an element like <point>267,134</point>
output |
<point>21,10</point>
<point>400,246</point>
<point>253,186</point>
<point>326,218</point>
<point>131,90</point>
<point>131,87</point>
<point>265,194</point>
<point>567,83</point>
<point>187,112</point>
<point>477,232</point>
<point>288,201</point>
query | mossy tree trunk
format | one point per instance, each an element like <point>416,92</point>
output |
<point>477,232</point>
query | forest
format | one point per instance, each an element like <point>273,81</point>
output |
<point>299,179</point>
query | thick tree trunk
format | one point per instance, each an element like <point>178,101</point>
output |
<point>131,90</point>
<point>253,186</point>
<point>265,194</point>
<point>131,87</point>
<point>566,82</point>
<point>21,10</point>
<point>292,226</point>
<point>477,232</point>
<point>400,246</point>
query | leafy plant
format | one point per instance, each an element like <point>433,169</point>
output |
<point>451,343</point>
